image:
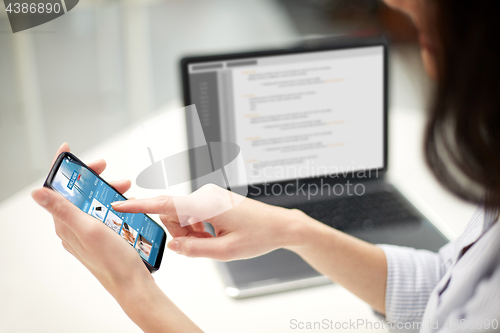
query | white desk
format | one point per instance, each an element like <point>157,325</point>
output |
<point>44,289</point>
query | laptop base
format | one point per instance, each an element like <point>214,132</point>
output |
<point>282,270</point>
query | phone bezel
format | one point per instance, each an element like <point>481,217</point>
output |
<point>50,179</point>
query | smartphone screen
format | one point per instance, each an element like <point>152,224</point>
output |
<point>94,196</point>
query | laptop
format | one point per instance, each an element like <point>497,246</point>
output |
<point>311,123</point>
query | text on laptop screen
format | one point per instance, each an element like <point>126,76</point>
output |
<point>299,115</point>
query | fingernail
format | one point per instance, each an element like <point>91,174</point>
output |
<point>117,203</point>
<point>174,246</point>
<point>41,197</point>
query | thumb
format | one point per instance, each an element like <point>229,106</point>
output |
<point>60,207</point>
<point>212,247</point>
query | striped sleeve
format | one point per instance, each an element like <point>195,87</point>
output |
<point>481,313</point>
<point>411,276</point>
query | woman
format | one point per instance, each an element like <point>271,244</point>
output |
<point>456,290</point>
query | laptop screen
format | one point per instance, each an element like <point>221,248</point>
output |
<point>297,115</point>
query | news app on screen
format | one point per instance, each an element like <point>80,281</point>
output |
<point>94,197</point>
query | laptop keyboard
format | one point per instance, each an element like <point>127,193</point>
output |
<point>363,213</point>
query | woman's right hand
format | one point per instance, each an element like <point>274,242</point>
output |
<point>253,228</point>
<point>249,229</point>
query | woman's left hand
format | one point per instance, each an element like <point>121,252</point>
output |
<point>105,254</point>
<point>115,263</point>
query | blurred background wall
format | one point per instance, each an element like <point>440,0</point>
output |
<point>108,63</point>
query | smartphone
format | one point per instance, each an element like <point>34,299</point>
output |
<point>85,189</point>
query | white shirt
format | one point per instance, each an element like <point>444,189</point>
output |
<point>447,291</point>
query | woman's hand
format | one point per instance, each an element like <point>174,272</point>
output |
<point>112,261</point>
<point>252,228</point>
<point>247,230</point>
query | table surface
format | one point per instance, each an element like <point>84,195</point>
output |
<point>44,289</point>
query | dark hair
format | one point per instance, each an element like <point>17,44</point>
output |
<point>462,139</point>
